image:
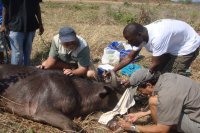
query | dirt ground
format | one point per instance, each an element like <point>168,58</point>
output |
<point>99,31</point>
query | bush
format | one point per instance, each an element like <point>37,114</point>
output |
<point>122,16</point>
<point>144,16</point>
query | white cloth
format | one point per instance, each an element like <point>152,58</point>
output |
<point>125,102</point>
<point>171,36</point>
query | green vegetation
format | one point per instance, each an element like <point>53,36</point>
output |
<point>122,16</point>
<point>125,12</point>
<point>99,24</point>
<point>30,131</point>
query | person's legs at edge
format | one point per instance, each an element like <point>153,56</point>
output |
<point>180,64</point>
<point>27,47</point>
<point>16,42</point>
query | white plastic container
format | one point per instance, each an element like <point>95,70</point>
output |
<point>110,56</point>
<point>102,68</point>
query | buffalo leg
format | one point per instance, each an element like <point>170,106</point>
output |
<point>59,120</point>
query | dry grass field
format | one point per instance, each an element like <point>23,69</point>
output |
<point>99,22</point>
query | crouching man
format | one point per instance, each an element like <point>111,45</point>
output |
<point>173,99</point>
<point>70,53</point>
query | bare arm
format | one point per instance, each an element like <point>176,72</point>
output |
<point>80,71</point>
<point>48,63</point>
<point>156,61</point>
<point>135,116</point>
<point>159,128</point>
<point>53,63</point>
<point>154,128</point>
<point>126,60</point>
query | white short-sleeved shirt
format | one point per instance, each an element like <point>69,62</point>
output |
<point>171,36</point>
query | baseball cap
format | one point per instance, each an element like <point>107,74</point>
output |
<point>140,76</point>
<point>67,34</point>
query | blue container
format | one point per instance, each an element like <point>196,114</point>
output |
<point>129,69</point>
<point>100,71</point>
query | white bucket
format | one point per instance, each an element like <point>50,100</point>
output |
<point>110,56</point>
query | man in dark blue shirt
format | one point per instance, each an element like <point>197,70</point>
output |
<point>24,17</point>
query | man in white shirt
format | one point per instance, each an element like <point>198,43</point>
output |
<point>173,43</point>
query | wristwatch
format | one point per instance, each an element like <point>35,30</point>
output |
<point>133,128</point>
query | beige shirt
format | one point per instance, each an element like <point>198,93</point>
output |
<point>177,94</point>
<point>80,55</point>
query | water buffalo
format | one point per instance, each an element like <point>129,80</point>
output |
<point>50,96</point>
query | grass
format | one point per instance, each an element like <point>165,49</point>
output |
<point>99,24</point>
<point>121,16</point>
<point>102,23</point>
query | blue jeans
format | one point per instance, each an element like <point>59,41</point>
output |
<point>1,43</point>
<point>21,45</point>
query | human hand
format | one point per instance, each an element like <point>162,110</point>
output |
<point>127,125</point>
<point>41,30</point>
<point>132,117</point>
<point>125,82</point>
<point>135,116</point>
<point>124,124</point>
<point>40,66</point>
<point>3,28</point>
<point>106,76</point>
<point>68,72</point>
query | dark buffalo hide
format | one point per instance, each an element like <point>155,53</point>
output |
<point>50,96</point>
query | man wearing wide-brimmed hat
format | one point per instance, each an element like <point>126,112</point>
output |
<point>70,53</point>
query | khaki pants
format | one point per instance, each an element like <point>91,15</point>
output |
<point>178,64</point>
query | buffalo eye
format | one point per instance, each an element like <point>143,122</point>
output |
<point>106,91</point>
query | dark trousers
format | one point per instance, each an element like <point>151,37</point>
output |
<point>178,64</point>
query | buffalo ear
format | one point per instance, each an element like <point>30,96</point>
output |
<point>106,91</point>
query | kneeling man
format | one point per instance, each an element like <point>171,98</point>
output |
<point>70,53</point>
<point>173,99</point>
